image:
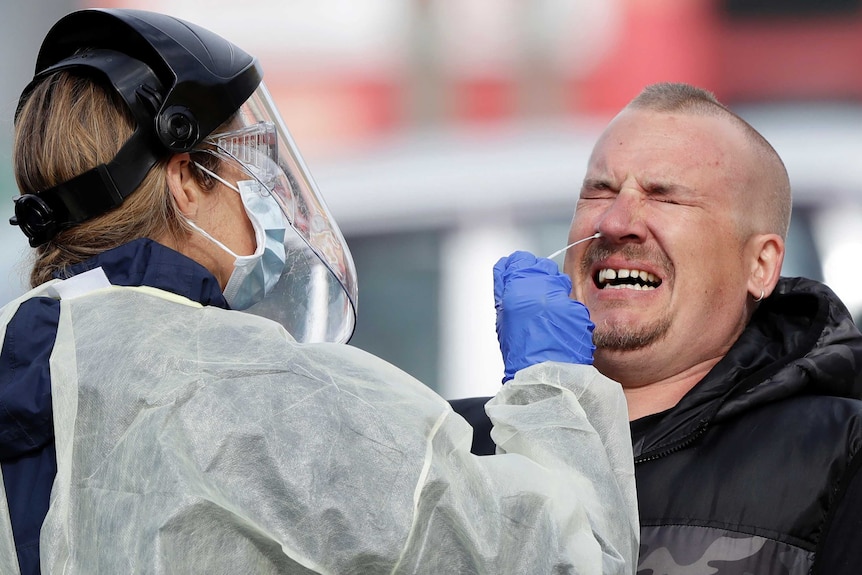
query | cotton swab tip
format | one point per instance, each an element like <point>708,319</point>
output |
<point>558,252</point>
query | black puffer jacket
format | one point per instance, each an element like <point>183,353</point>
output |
<point>756,469</point>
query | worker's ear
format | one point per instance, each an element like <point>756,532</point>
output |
<point>767,252</point>
<point>183,186</point>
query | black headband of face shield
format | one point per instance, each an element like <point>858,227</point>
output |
<point>43,214</point>
<point>179,81</point>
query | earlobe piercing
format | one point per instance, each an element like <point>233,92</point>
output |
<point>761,296</point>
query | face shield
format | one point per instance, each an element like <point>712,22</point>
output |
<point>315,296</point>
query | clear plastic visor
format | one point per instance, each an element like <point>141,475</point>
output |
<point>315,298</point>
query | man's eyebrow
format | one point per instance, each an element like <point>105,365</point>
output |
<point>596,183</point>
<point>665,188</point>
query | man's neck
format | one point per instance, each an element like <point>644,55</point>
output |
<point>647,399</point>
<point>653,398</point>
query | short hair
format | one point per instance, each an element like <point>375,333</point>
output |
<point>678,97</point>
<point>670,97</point>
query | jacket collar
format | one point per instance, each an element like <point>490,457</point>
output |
<point>801,339</point>
<point>143,262</point>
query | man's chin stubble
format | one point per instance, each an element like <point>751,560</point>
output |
<point>628,338</point>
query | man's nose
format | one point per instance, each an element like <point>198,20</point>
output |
<point>623,218</point>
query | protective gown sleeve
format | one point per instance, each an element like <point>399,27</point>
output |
<point>199,440</point>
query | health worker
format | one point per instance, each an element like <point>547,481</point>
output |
<point>176,394</point>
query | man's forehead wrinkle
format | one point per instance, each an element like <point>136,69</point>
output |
<point>652,176</point>
<point>665,160</point>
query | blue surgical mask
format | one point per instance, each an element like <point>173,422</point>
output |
<point>254,276</point>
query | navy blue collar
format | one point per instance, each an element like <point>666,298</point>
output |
<point>143,262</point>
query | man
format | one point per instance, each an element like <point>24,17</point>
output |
<point>742,386</point>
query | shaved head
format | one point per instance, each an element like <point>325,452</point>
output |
<point>765,203</point>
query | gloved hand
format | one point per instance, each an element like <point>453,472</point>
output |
<point>536,319</point>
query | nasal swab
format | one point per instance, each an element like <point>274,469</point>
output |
<point>558,252</point>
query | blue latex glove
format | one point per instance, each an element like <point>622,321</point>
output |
<point>536,319</point>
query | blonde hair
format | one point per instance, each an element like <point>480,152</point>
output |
<point>68,125</point>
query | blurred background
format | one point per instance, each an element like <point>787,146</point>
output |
<point>445,134</point>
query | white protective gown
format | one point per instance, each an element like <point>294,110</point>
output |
<point>193,439</point>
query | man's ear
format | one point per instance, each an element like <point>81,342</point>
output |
<point>768,255</point>
<point>182,185</point>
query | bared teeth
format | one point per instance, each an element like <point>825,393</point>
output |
<point>634,279</point>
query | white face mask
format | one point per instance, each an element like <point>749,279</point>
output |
<point>254,276</point>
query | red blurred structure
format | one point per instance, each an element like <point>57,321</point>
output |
<point>743,50</point>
